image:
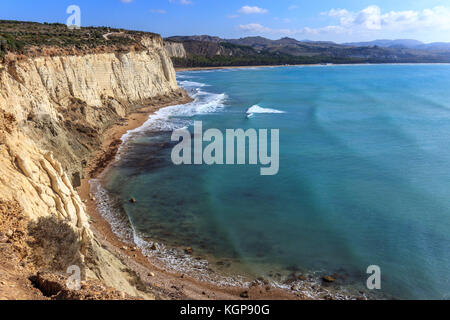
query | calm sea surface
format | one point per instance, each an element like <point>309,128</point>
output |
<point>364,175</point>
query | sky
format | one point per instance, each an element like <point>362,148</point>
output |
<point>324,20</point>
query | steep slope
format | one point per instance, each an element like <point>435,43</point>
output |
<point>53,111</point>
<point>175,49</point>
<point>65,97</point>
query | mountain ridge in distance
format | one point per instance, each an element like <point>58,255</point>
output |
<point>215,51</point>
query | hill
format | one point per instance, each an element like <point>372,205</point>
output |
<point>202,51</point>
<point>32,38</point>
<point>399,43</point>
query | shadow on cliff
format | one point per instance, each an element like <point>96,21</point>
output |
<point>54,245</point>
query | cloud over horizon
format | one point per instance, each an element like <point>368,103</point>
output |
<point>252,10</point>
<point>370,20</point>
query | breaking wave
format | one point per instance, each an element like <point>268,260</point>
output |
<point>178,116</point>
<point>258,109</point>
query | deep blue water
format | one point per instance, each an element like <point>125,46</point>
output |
<point>364,174</point>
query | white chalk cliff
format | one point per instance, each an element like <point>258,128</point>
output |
<point>175,49</point>
<point>53,110</point>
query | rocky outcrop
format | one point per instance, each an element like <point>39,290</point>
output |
<point>175,49</point>
<point>52,96</point>
<point>53,110</point>
<point>37,181</point>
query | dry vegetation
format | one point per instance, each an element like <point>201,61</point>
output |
<point>54,245</point>
<point>33,38</point>
<point>34,256</point>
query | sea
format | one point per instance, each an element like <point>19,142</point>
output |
<point>363,180</point>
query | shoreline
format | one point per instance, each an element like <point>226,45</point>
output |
<point>183,69</point>
<point>163,283</point>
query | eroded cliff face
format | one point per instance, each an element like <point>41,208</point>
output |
<point>53,110</point>
<point>175,49</point>
<point>82,95</point>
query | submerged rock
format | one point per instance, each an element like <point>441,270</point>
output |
<point>328,279</point>
<point>301,278</point>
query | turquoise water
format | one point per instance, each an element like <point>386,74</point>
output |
<point>364,174</point>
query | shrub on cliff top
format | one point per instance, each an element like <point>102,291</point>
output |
<point>17,36</point>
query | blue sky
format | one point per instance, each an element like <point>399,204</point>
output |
<point>339,21</point>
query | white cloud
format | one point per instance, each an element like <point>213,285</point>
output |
<point>159,11</point>
<point>255,27</point>
<point>185,2</point>
<point>370,20</point>
<point>252,10</point>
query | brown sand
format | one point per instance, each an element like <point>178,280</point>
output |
<point>246,67</point>
<point>163,283</point>
<point>236,67</point>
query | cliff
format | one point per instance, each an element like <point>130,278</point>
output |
<point>62,97</point>
<point>175,49</point>
<point>53,111</point>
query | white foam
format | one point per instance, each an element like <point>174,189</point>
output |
<point>257,109</point>
<point>187,83</point>
<point>119,223</point>
<point>185,76</point>
<point>178,116</point>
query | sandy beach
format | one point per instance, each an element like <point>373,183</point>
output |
<point>162,283</point>
<point>235,67</point>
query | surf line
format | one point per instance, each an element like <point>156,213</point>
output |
<point>235,148</point>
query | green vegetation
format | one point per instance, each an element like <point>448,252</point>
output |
<point>17,36</point>
<point>9,43</point>
<point>206,51</point>
<point>237,47</point>
<point>256,60</point>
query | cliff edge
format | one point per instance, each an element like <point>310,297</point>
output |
<point>54,107</point>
